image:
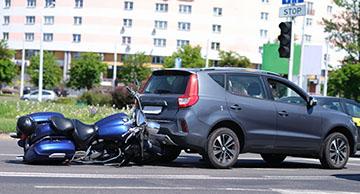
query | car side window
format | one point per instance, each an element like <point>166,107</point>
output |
<point>283,93</point>
<point>335,105</point>
<point>218,78</point>
<point>34,93</point>
<point>46,93</point>
<point>244,85</point>
<point>353,109</point>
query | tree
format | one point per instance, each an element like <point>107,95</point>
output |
<point>345,82</point>
<point>51,71</point>
<point>85,72</point>
<point>190,57</point>
<point>134,64</point>
<point>8,69</point>
<point>344,29</point>
<point>233,59</point>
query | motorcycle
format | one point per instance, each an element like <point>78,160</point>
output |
<point>49,137</point>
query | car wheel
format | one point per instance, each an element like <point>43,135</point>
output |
<point>26,99</point>
<point>273,158</point>
<point>335,151</point>
<point>170,154</point>
<point>223,148</point>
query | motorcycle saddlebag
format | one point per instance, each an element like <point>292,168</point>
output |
<point>50,150</point>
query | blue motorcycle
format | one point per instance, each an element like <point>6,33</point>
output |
<point>49,137</point>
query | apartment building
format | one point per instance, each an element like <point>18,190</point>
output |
<point>156,27</point>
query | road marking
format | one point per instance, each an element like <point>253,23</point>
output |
<point>150,188</point>
<point>11,154</point>
<point>293,191</point>
<point>169,177</point>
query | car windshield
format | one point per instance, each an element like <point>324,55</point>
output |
<point>167,84</point>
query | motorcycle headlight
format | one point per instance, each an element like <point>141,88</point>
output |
<point>152,127</point>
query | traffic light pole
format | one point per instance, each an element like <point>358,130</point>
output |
<point>291,58</point>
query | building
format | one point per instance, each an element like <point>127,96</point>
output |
<point>156,27</point>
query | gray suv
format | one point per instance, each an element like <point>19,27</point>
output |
<point>221,112</point>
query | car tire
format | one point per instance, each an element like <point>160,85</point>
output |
<point>335,151</point>
<point>170,155</point>
<point>26,99</point>
<point>222,149</point>
<point>273,158</point>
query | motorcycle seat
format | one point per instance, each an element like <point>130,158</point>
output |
<point>83,134</point>
<point>61,124</point>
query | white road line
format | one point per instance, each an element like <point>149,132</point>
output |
<point>151,188</point>
<point>294,191</point>
<point>166,177</point>
<point>11,154</point>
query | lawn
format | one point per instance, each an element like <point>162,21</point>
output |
<point>11,110</point>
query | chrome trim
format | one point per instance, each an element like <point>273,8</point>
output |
<point>14,135</point>
<point>57,155</point>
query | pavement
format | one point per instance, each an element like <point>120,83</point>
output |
<point>187,174</point>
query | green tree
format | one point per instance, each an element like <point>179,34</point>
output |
<point>85,72</point>
<point>344,29</point>
<point>233,59</point>
<point>345,82</point>
<point>190,57</point>
<point>52,73</point>
<point>8,69</point>
<point>134,63</point>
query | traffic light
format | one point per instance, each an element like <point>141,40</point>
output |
<point>285,39</point>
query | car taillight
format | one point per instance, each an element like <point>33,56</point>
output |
<point>191,94</point>
<point>145,85</point>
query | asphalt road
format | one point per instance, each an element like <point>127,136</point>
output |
<point>185,175</point>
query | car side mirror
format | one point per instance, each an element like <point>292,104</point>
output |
<point>312,101</point>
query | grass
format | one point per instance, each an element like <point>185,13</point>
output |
<point>11,110</point>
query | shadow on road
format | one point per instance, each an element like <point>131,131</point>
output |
<point>352,177</point>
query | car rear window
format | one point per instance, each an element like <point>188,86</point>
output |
<point>167,82</point>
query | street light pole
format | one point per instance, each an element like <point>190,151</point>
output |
<point>41,60</point>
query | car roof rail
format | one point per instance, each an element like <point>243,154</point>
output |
<point>239,69</point>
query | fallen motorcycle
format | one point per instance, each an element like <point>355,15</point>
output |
<point>49,137</point>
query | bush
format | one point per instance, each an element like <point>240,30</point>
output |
<point>95,98</point>
<point>121,97</point>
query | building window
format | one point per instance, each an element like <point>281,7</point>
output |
<point>264,16</point>
<point>29,36</point>
<point>307,38</point>
<point>126,40</point>
<point>48,37</point>
<point>184,8</point>
<point>76,37</point>
<point>7,3</point>
<point>6,35</point>
<point>160,24</point>
<point>6,20</point>
<point>30,19</point>
<point>162,7</point>
<point>181,43</point>
<point>49,3</point>
<point>265,1</point>
<point>127,23</point>
<point>129,5</point>
<point>215,45</point>
<point>77,55</point>
<point>329,9</point>
<point>261,49</point>
<point>157,59</point>
<point>31,3</point>
<point>216,28</point>
<point>184,26</point>
<point>78,3</point>
<point>263,33</point>
<point>159,42</point>
<point>308,21</point>
<point>77,20</point>
<point>29,53</point>
<point>309,8</point>
<point>217,11</point>
<point>49,20</point>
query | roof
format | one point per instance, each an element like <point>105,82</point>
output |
<point>232,69</point>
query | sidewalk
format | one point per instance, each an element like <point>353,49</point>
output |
<point>5,136</point>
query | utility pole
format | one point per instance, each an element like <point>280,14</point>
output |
<point>115,67</point>
<point>22,70</point>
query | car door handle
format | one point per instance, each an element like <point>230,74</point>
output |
<point>283,113</point>
<point>235,107</point>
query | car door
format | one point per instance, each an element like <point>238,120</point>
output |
<point>34,95</point>
<point>298,125</point>
<point>249,106</point>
